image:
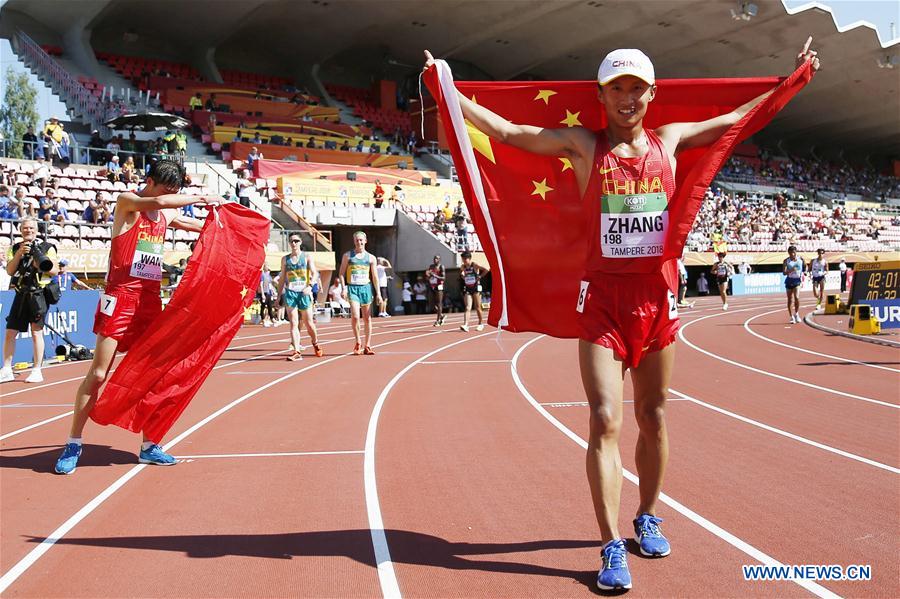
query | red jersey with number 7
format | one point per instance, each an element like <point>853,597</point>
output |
<point>136,256</point>
<point>627,202</point>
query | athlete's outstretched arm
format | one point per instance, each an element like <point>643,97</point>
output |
<point>132,202</point>
<point>185,223</point>
<point>568,142</point>
<point>681,136</point>
<point>282,276</point>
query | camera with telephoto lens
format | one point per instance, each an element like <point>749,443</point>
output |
<point>44,263</point>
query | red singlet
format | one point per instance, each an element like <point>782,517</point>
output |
<point>625,302</point>
<point>130,303</point>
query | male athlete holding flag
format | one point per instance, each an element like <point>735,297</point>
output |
<point>628,317</point>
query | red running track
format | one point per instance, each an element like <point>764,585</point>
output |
<point>448,465</point>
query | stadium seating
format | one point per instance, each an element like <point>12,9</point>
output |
<point>364,106</point>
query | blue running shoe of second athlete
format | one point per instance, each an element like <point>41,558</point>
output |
<point>69,459</point>
<point>614,574</point>
<point>155,455</point>
<point>650,537</point>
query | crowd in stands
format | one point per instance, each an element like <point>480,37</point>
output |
<point>74,205</point>
<point>751,222</point>
<point>805,174</point>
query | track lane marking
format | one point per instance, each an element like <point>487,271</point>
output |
<point>808,351</point>
<point>784,433</point>
<point>716,530</point>
<point>387,578</point>
<point>682,336</point>
<point>35,554</point>
<point>268,455</point>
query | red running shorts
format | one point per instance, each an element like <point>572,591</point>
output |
<point>631,314</point>
<point>125,315</point>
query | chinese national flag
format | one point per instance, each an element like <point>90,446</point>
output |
<point>526,208</point>
<point>166,367</point>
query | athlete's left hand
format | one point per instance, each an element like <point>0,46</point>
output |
<point>211,200</point>
<point>807,54</point>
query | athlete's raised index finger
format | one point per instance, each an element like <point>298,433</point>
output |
<point>807,44</point>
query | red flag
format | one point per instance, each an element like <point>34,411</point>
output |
<point>166,367</point>
<point>526,208</point>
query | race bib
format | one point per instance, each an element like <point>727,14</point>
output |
<point>470,280</point>
<point>107,304</point>
<point>479,288</point>
<point>296,285</point>
<point>633,226</point>
<point>673,306</point>
<point>359,275</point>
<point>433,280</point>
<point>582,295</point>
<point>147,260</point>
<point>440,287</point>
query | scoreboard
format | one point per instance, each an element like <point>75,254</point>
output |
<point>877,284</point>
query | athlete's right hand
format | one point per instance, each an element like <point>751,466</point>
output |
<point>429,59</point>
<point>211,200</point>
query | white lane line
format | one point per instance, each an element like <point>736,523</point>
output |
<point>467,361</point>
<point>35,425</point>
<point>783,433</point>
<point>285,340</point>
<point>690,514</point>
<point>268,455</point>
<point>808,351</point>
<point>35,554</point>
<point>227,365</point>
<point>772,374</point>
<point>386,575</point>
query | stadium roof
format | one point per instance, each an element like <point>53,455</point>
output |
<point>853,104</point>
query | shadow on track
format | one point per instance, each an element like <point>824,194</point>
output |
<point>44,461</point>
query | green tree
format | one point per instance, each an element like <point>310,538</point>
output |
<point>19,110</point>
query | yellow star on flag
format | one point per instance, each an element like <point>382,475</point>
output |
<point>541,188</point>
<point>571,119</point>
<point>244,292</point>
<point>544,94</point>
<point>481,143</point>
<point>567,164</point>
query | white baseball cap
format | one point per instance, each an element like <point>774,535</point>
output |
<point>626,61</point>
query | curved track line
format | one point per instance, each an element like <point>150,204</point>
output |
<point>808,351</point>
<point>35,554</point>
<point>229,364</point>
<point>387,578</point>
<point>778,431</point>
<point>723,534</point>
<point>772,374</point>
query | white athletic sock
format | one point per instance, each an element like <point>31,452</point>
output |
<point>75,440</point>
<point>147,445</point>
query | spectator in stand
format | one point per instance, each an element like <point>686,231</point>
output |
<point>95,144</point>
<point>53,130</point>
<point>41,173</point>
<point>447,211</point>
<point>256,139</point>
<point>375,149</point>
<point>211,104</point>
<point>459,211</point>
<point>237,137</point>
<point>289,142</point>
<point>253,156</point>
<point>411,143</point>
<point>407,298</point>
<point>438,224</point>
<point>8,207</point>
<point>196,102</point>
<point>30,147</point>
<point>105,209</point>
<point>113,168</point>
<point>25,206</point>
<point>311,143</point>
<point>180,143</point>
<point>113,147</point>
<point>378,194</point>
<point>462,235</point>
<point>244,188</point>
<point>128,174</point>
<point>46,204</point>
<point>306,118</point>
<point>91,213</point>
<point>359,146</point>
<point>345,147</point>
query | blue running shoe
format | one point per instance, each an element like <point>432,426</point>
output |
<point>649,537</point>
<point>69,459</point>
<point>155,455</point>
<point>614,574</point>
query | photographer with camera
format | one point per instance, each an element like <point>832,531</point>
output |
<point>31,263</point>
